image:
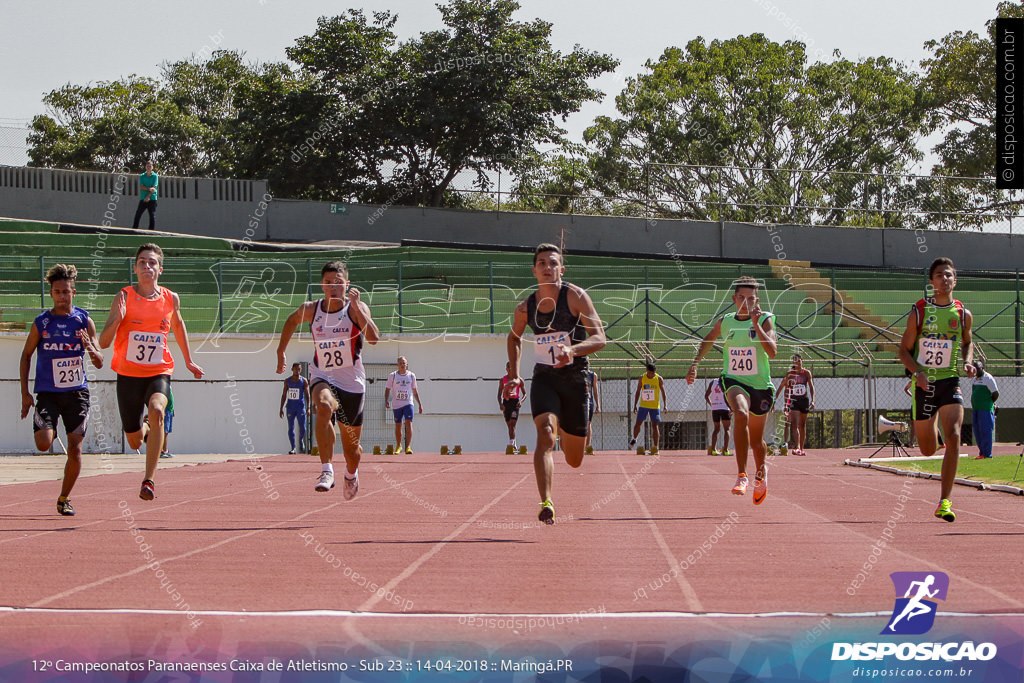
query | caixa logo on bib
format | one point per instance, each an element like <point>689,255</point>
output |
<point>914,614</point>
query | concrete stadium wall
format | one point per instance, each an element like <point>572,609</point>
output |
<point>238,209</point>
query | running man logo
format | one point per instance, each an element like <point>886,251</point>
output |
<point>914,612</point>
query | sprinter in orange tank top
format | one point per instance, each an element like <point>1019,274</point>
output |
<point>140,318</point>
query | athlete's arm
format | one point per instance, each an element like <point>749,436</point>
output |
<point>580,304</point>
<point>810,386</point>
<point>906,352</point>
<point>302,314</point>
<point>26,360</point>
<point>501,390</point>
<point>967,347</point>
<point>361,317</point>
<point>181,334</point>
<point>597,393</point>
<point>416,395</point>
<point>118,309</point>
<point>664,401</point>
<point>305,389</point>
<point>284,395</point>
<point>707,394</point>
<point>88,337</point>
<point>705,346</point>
<point>387,393</point>
<point>765,331</point>
<point>514,343</point>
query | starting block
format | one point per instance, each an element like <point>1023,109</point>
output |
<point>654,451</point>
<point>590,450</point>
<point>509,450</point>
<point>315,450</point>
<point>376,450</point>
<point>640,450</point>
<point>444,450</point>
<point>390,450</point>
<point>457,450</point>
<point>522,450</point>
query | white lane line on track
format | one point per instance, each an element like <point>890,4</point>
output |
<point>507,615</point>
<point>350,627</point>
<point>692,601</point>
<point>197,551</point>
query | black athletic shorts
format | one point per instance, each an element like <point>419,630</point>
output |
<point>510,409</point>
<point>350,405</point>
<point>70,406</point>
<point>801,404</point>
<point>565,394</point>
<point>133,394</point>
<point>940,393</point>
<point>719,415</point>
<point>761,400</point>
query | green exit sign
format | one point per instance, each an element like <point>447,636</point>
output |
<point>339,208</point>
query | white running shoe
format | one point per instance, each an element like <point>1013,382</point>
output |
<point>351,488</point>
<point>325,482</point>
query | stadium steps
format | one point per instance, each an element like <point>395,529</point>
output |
<point>808,280</point>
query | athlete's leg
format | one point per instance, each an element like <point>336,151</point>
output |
<point>351,447</point>
<point>755,431</point>
<point>725,433</point>
<point>952,416</point>
<point>44,439</point>
<point>740,403</point>
<point>656,435</point>
<point>714,435</point>
<point>927,435</point>
<point>573,448</point>
<point>408,433</point>
<point>801,429</point>
<point>73,467</point>
<point>155,442</point>
<point>636,428</point>
<point>543,461</point>
<point>301,419</point>
<point>398,435</point>
<point>324,404</point>
<point>291,417</point>
<point>511,429</point>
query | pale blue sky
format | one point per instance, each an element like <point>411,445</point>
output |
<point>44,45</point>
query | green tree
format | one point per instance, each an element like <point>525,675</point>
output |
<point>728,130</point>
<point>961,77</point>
<point>408,118</point>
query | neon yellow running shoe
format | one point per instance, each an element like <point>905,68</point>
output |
<point>945,511</point>
<point>547,512</point>
<point>726,452</point>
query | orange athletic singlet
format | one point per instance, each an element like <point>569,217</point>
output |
<point>140,345</point>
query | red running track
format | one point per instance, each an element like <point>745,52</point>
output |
<point>644,547</point>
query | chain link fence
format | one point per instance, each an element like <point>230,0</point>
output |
<point>13,142</point>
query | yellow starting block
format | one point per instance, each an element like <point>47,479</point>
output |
<point>390,450</point>
<point>509,450</point>
<point>444,450</point>
<point>590,450</point>
<point>640,450</point>
<point>654,451</point>
<point>376,450</point>
<point>315,450</point>
<point>522,450</point>
<point>457,450</point>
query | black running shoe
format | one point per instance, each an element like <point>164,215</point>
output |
<point>65,508</point>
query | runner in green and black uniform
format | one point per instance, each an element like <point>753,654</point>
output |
<point>749,345</point>
<point>936,347</point>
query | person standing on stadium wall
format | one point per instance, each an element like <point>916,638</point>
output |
<point>339,323</point>
<point>797,390</point>
<point>714,396</point>
<point>295,398</point>
<point>749,345</point>
<point>936,347</point>
<point>650,393</point>
<point>141,316</point>
<point>566,328</point>
<point>62,336</point>
<point>510,400</point>
<point>148,183</point>
<point>984,394</point>
<point>403,382</point>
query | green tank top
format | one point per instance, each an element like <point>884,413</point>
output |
<point>939,337</point>
<point>743,356</point>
